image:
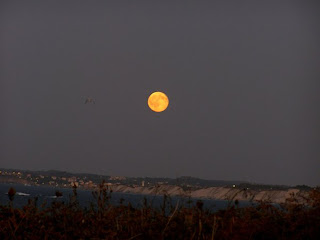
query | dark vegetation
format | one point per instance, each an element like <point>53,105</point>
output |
<point>102,220</point>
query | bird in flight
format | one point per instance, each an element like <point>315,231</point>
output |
<point>89,100</point>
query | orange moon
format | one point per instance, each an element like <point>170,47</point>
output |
<point>158,101</point>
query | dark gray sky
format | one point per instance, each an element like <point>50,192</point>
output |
<point>242,78</point>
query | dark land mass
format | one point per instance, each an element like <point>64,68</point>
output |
<point>87,180</point>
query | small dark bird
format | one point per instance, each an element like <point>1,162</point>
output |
<point>89,100</point>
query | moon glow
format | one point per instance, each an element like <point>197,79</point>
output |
<point>158,101</point>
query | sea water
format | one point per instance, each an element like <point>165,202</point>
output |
<point>46,194</point>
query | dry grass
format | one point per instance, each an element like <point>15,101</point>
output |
<point>105,221</point>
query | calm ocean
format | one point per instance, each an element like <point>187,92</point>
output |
<point>85,197</point>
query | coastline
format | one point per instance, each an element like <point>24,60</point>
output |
<point>218,193</point>
<point>215,193</point>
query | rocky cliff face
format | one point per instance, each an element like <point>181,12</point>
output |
<point>222,193</point>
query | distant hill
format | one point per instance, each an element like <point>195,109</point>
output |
<point>184,181</point>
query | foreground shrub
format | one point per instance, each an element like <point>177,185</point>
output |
<point>105,221</point>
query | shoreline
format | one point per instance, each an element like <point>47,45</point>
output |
<point>218,193</point>
<point>212,193</point>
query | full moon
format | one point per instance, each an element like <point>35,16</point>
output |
<point>158,101</point>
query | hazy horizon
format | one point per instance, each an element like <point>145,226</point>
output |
<point>242,80</point>
<point>102,174</point>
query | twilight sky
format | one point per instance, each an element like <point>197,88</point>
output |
<point>242,78</point>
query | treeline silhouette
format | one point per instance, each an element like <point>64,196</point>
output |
<point>68,220</point>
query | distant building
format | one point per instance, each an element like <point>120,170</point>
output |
<point>74,184</point>
<point>142,183</point>
<point>72,179</point>
<point>51,183</point>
